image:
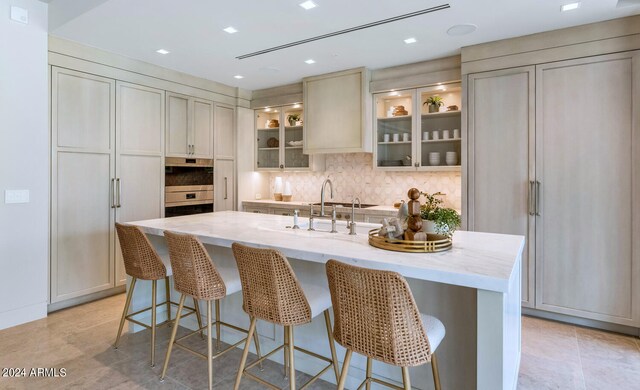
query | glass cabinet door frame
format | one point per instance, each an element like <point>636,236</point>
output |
<point>412,93</point>
<point>281,139</point>
<point>435,89</point>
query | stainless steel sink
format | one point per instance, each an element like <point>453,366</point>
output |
<point>344,204</point>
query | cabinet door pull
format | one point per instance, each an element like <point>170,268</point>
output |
<point>119,192</point>
<point>532,198</point>
<point>281,166</point>
<point>225,188</point>
<point>113,193</point>
<point>538,198</point>
<point>416,164</point>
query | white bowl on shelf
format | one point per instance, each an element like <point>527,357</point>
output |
<point>434,158</point>
<point>451,158</point>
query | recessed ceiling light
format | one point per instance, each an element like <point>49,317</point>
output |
<point>297,105</point>
<point>238,76</point>
<point>163,51</point>
<point>230,30</point>
<point>410,40</point>
<point>570,6</point>
<point>394,93</point>
<point>310,61</point>
<point>308,4</point>
<point>267,109</point>
<point>462,29</point>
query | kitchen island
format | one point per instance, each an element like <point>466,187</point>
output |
<point>474,289</point>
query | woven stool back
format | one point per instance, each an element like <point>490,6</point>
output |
<point>193,271</point>
<point>375,315</point>
<point>270,289</point>
<point>140,259</point>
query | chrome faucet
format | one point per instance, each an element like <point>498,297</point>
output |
<point>352,225</point>
<point>310,228</point>
<point>333,220</point>
<point>324,185</point>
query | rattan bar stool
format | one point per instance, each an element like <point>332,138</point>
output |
<point>376,316</point>
<point>141,261</point>
<point>195,275</point>
<point>271,292</point>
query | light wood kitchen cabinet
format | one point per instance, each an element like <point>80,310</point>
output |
<point>224,185</point>
<point>107,139</point>
<point>139,158</point>
<point>257,210</point>
<point>408,137</point>
<point>189,129</point>
<point>224,131</point>
<point>279,140</point>
<point>587,164</point>
<point>554,154</point>
<point>501,114</point>
<point>83,170</point>
<point>337,112</point>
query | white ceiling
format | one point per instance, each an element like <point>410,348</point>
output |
<point>192,31</point>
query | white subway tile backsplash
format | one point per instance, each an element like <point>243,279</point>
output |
<point>353,175</point>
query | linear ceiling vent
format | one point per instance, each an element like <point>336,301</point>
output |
<point>347,30</point>
<point>627,3</point>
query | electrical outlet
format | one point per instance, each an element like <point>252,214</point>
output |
<point>16,196</point>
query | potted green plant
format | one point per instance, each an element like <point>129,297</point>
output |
<point>434,102</point>
<point>293,118</point>
<point>437,219</point>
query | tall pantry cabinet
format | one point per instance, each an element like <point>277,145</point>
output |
<point>107,166</point>
<point>554,154</point>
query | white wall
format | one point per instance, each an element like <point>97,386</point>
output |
<point>24,164</point>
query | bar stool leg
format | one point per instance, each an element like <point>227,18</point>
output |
<point>209,346</point>
<point>167,293</point>
<point>332,346</point>
<point>292,369</point>
<point>286,351</point>
<point>245,353</point>
<point>173,337</point>
<point>369,366</point>
<point>436,373</point>
<point>256,340</point>
<point>196,306</point>
<point>217,324</point>
<point>345,369</point>
<point>154,287</point>
<point>405,378</point>
<point>125,311</point>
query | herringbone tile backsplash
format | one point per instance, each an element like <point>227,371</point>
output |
<point>353,175</point>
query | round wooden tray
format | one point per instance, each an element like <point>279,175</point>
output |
<point>435,243</point>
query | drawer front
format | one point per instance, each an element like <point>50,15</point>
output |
<point>189,196</point>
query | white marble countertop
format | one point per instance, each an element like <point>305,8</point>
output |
<point>390,210</point>
<point>478,260</point>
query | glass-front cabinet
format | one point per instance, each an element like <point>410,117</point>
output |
<point>418,129</point>
<point>279,139</point>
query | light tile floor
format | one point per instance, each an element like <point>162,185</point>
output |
<point>554,356</point>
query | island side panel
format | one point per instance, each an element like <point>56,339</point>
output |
<point>499,327</point>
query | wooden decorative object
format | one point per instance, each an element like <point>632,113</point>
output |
<point>414,222</point>
<point>274,123</point>
<point>273,142</point>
